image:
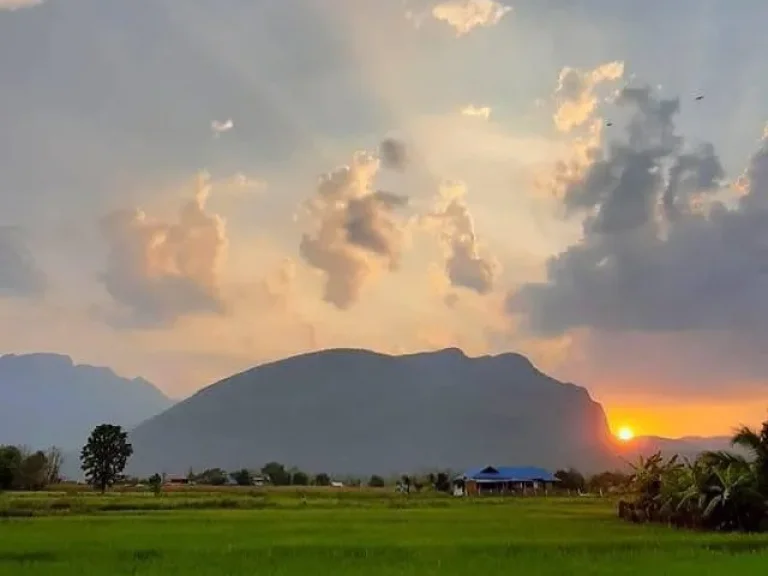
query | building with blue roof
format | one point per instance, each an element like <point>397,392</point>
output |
<point>503,480</point>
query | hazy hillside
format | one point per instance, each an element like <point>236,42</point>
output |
<point>688,447</point>
<point>354,411</point>
<point>46,400</point>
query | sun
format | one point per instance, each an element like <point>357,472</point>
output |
<point>625,434</point>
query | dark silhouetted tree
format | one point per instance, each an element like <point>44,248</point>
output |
<point>212,477</point>
<point>105,455</point>
<point>242,477</point>
<point>156,484</point>
<point>376,481</point>
<point>299,478</point>
<point>10,463</point>
<point>442,483</point>
<point>33,472</point>
<point>570,479</point>
<point>322,479</point>
<point>277,474</point>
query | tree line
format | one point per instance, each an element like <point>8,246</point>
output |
<point>720,491</point>
<point>22,469</point>
<point>105,454</point>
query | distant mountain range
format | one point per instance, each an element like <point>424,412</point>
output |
<point>46,400</point>
<point>339,411</point>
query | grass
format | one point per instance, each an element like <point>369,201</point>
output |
<point>341,533</point>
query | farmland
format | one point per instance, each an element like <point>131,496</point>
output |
<point>322,531</point>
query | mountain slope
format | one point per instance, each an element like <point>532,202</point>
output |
<point>47,400</point>
<point>689,447</point>
<point>354,411</point>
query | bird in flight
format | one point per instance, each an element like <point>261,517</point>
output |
<point>699,97</point>
<point>609,123</point>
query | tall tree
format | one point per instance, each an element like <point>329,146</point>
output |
<point>54,460</point>
<point>105,455</point>
<point>10,463</point>
<point>33,472</point>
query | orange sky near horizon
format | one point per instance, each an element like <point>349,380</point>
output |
<point>675,420</point>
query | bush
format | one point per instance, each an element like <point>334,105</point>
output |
<point>376,482</point>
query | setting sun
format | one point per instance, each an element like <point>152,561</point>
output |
<point>625,434</point>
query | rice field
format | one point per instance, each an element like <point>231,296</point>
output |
<point>321,531</point>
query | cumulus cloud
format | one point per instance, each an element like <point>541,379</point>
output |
<point>355,232</point>
<point>160,271</point>
<point>18,4</point>
<point>576,95</point>
<point>464,15</point>
<point>218,127</point>
<point>476,112</point>
<point>19,275</point>
<point>465,265</point>
<point>651,259</point>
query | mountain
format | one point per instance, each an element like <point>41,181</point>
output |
<point>688,446</point>
<point>47,400</point>
<point>360,412</point>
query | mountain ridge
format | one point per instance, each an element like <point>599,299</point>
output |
<point>48,400</point>
<point>421,404</point>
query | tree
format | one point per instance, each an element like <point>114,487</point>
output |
<point>54,459</point>
<point>212,477</point>
<point>33,472</point>
<point>376,482</point>
<point>105,455</point>
<point>757,443</point>
<point>571,479</point>
<point>322,479</point>
<point>10,462</point>
<point>242,477</point>
<point>277,474</point>
<point>441,482</point>
<point>156,484</point>
<point>300,478</point>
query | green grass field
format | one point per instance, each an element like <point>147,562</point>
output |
<point>338,533</point>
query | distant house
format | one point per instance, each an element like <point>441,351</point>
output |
<point>176,481</point>
<point>503,480</point>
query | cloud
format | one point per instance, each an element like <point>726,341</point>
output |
<point>19,275</point>
<point>658,253</point>
<point>356,232</point>
<point>476,112</point>
<point>465,266</point>
<point>160,271</point>
<point>218,127</point>
<point>463,15</point>
<point>18,4</point>
<point>237,185</point>
<point>576,97</point>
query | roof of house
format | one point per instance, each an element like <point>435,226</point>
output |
<point>509,474</point>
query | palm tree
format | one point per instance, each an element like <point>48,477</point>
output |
<point>757,443</point>
<point>735,503</point>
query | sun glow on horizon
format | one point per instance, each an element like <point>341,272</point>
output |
<point>625,434</point>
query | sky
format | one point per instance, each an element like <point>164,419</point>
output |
<point>189,188</point>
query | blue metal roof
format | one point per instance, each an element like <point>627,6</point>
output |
<point>509,474</point>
